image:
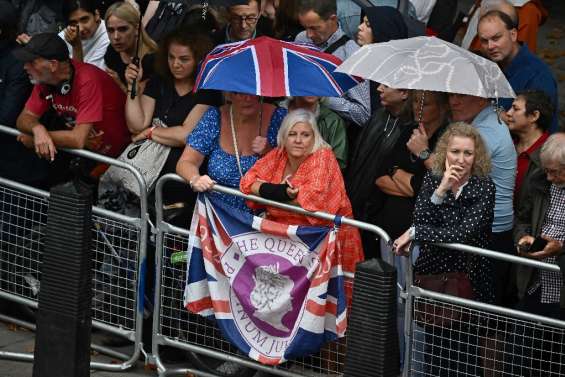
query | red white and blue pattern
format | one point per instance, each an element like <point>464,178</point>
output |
<point>269,67</point>
<point>275,290</point>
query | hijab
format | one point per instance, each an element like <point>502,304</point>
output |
<point>387,24</point>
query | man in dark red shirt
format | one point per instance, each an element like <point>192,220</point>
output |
<point>88,100</point>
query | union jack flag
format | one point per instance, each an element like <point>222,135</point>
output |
<point>269,67</point>
<point>276,291</point>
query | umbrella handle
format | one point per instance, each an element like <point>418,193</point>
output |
<point>421,110</point>
<point>260,114</point>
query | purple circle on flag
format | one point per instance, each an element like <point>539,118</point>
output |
<point>271,291</point>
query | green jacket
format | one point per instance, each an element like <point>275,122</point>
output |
<point>333,131</point>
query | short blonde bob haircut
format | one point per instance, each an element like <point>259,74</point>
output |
<point>301,116</point>
<point>481,165</point>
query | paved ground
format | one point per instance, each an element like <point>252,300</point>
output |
<point>551,47</point>
<point>18,339</point>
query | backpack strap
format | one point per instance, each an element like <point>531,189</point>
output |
<point>337,44</point>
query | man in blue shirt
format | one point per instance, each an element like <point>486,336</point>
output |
<point>321,28</point>
<point>478,112</point>
<point>498,36</point>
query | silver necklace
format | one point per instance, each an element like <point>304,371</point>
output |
<point>392,128</point>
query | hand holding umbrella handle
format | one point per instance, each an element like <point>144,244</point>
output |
<point>135,61</point>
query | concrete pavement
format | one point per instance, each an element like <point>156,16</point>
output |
<point>18,339</point>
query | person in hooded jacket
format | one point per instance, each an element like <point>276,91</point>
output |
<point>376,139</point>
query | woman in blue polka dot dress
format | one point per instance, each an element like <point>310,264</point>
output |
<point>232,140</point>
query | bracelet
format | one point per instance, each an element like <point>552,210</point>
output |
<point>150,133</point>
<point>190,181</point>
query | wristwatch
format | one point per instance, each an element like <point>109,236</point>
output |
<point>425,154</point>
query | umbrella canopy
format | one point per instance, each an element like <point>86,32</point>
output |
<point>428,63</point>
<point>269,67</point>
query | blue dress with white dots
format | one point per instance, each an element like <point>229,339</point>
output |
<point>222,166</point>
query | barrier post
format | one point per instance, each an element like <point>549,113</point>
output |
<point>120,315</point>
<point>62,345</point>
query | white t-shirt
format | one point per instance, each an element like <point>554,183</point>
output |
<point>94,48</point>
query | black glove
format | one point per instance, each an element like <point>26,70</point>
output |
<point>276,192</point>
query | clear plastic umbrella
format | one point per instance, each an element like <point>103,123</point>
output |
<point>428,63</point>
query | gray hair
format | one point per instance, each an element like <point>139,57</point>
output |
<point>553,150</point>
<point>301,116</point>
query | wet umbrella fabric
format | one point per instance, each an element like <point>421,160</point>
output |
<point>269,67</point>
<point>428,63</point>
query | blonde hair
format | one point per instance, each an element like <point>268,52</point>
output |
<point>481,164</point>
<point>128,13</point>
<point>301,116</point>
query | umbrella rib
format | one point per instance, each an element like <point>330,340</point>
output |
<point>257,72</point>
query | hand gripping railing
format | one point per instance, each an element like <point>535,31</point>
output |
<point>159,338</point>
<point>478,308</point>
<point>114,219</point>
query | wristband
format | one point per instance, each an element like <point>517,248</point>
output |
<point>190,181</point>
<point>274,191</point>
<point>150,133</point>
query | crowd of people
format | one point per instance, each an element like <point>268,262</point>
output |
<point>425,166</point>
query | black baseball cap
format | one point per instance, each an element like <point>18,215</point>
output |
<point>44,45</point>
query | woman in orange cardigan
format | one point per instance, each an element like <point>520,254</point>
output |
<point>303,171</point>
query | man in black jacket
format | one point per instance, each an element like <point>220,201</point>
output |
<point>16,161</point>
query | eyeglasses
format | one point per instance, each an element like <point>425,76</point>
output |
<point>249,20</point>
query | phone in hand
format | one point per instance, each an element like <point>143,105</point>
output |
<point>538,245</point>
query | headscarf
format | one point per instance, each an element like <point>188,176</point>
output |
<point>387,24</point>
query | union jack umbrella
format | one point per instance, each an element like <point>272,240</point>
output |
<point>269,67</point>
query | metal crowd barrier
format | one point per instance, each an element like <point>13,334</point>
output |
<point>210,354</point>
<point>471,338</point>
<point>482,339</point>
<point>119,247</point>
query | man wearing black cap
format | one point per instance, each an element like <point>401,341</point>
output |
<point>89,101</point>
